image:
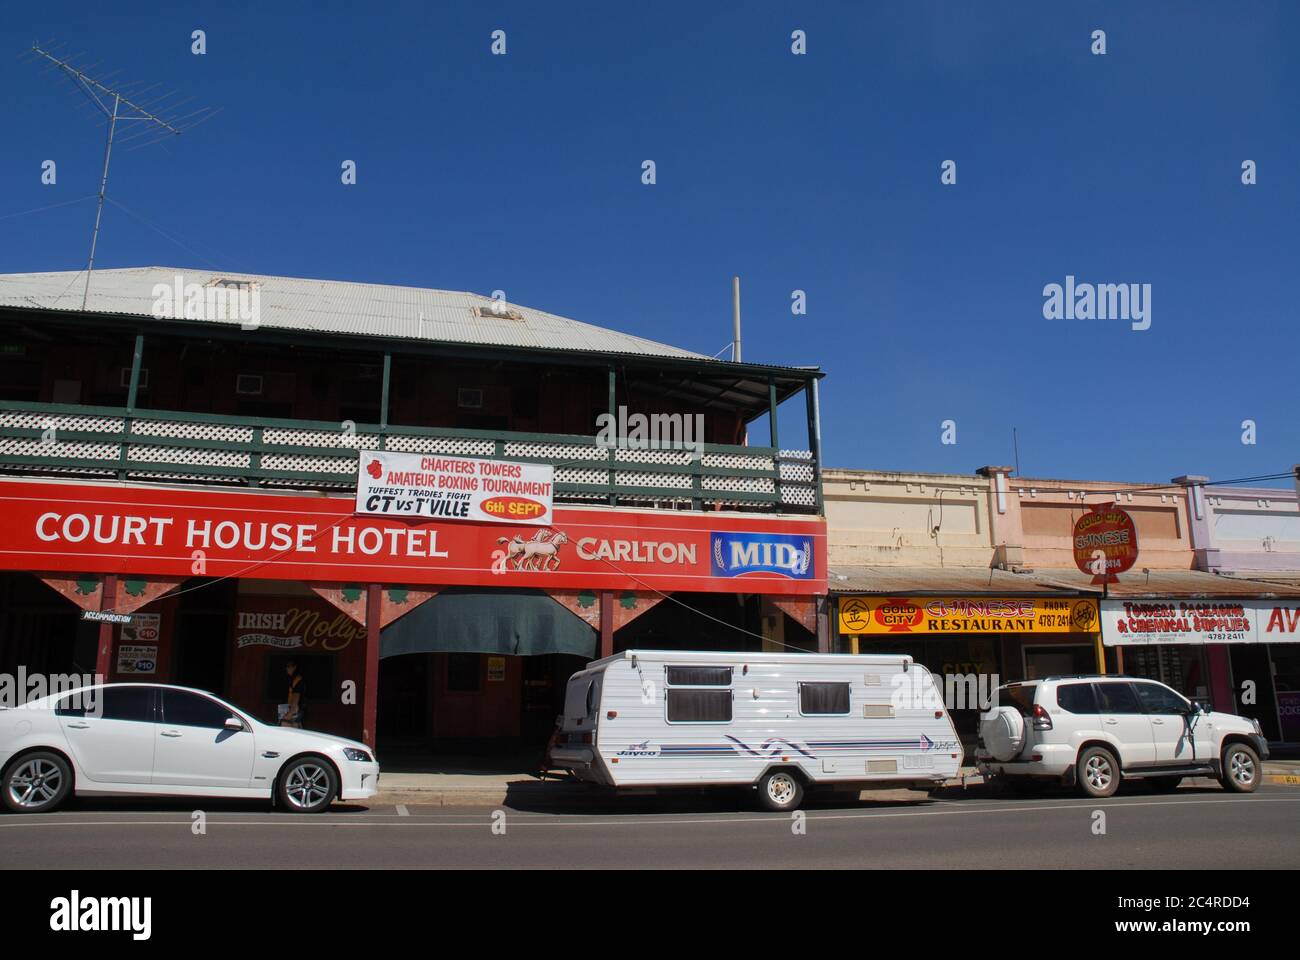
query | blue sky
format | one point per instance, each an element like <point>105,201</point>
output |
<point>819,172</point>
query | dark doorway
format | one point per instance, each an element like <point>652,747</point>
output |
<point>545,680</point>
<point>203,632</point>
<point>41,631</point>
<point>403,708</point>
<point>1250,664</point>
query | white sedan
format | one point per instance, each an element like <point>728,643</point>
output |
<point>142,739</point>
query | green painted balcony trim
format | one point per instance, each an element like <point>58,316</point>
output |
<point>257,448</point>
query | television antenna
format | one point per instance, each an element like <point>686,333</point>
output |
<point>159,119</point>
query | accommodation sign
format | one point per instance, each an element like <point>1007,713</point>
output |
<point>947,615</point>
<point>454,488</point>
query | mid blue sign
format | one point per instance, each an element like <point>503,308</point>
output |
<point>735,554</point>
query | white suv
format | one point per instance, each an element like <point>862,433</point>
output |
<point>1093,731</point>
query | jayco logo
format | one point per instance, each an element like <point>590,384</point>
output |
<point>735,554</point>
<point>1100,301</point>
<point>75,913</point>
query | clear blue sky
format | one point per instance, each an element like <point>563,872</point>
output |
<point>817,172</point>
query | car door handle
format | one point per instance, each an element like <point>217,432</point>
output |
<point>1157,720</point>
<point>171,733</point>
<point>1111,722</point>
<point>79,725</point>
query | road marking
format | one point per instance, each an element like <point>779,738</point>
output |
<point>48,820</point>
<point>402,811</point>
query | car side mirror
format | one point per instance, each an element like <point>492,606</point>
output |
<point>234,723</point>
<point>1198,708</point>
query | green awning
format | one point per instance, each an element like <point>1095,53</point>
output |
<point>470,620</point>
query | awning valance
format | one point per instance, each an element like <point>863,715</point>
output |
<point>468,620</point>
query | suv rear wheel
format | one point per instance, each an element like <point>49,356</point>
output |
<point>1098,772</point>
<point>1240,768</point>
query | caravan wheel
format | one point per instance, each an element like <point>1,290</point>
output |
<point>780,790</point>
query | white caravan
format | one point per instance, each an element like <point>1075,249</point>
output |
<point>779,722</point>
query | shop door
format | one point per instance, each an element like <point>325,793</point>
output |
<point>403,711</point>
<point>1252,679</point>
<point>201,640</point>
<point>1059,660</point>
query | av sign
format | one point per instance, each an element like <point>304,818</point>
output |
<point>1105,542</point>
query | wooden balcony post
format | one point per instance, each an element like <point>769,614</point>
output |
<point>132,395</point>
<point>370,677</point>
<point>104,651</point>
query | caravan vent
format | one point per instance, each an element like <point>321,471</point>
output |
<point>877,711</point>
<point>882,766</point>
<point>872,679</point>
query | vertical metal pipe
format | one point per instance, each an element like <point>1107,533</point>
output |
<point>735,319</point>
<point>103,187</point>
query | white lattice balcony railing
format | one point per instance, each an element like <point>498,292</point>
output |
<point>53,439</point>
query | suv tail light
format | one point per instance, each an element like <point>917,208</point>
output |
<point>1041,720</point>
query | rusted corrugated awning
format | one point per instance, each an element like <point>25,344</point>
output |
<point>981,581</point>
<point>939,581</point>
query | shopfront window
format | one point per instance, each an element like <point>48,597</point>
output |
<point>1286,681</point>
<point>462,672</point>
<point>1180,666</point>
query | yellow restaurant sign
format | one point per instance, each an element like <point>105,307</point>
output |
<point>931,615</point>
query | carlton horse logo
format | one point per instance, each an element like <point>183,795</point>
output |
<point>541,554</point>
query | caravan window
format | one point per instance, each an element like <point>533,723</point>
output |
<point>698,676</point>
<point>698,706</point>
<point>824,699</point>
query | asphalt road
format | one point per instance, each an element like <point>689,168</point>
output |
<point>1193,828</point>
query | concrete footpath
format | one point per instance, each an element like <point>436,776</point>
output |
<point>466,789</point>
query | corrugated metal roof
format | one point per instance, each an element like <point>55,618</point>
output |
<point>335,306</point>
<point>1170,584</point>
<point>908,581</point>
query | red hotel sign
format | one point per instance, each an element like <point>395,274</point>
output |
<point>93,528</point>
